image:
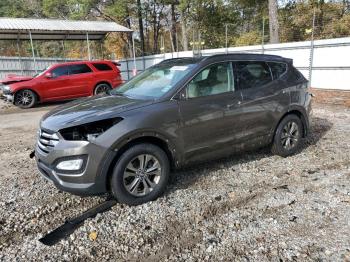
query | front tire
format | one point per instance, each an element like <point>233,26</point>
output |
<point>140,175</point>
<point>288,136</point>
<point>25,99</point>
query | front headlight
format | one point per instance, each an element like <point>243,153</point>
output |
<point>89,131</point>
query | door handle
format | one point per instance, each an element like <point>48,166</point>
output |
<point>232,105</point>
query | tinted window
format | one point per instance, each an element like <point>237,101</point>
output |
<point>60,71</point>
<point>251,74</point>
<point>277,69</point>
<point>295,75</point>
<point>215,79</point>
<point>79,69</point>
<point>102,67</point>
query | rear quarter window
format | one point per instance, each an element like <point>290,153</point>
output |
<point>295,76</point>
<point>102,67</point>
<point>277,69</point>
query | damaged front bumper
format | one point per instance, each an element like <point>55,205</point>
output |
<point>6,95</point>
<point>89,179</point>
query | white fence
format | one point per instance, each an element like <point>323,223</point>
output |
<point>330,70</point>
<point>25,65</point>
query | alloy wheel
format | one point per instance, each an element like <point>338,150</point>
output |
<point>142,175</point>
<point>290,135</point>
<point>101,89</point>
<point>24,98</point>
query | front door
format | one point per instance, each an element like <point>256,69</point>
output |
<point>209,113</point>
<point>56,86</point>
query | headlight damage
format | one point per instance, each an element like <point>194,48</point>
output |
<point>89,131</point>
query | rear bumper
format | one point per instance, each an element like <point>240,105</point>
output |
<point>308,109</point>
<point>117,83</point>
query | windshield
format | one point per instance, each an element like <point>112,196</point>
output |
<point>154,82</point>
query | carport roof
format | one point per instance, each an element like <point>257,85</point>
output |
<point>52,29</point>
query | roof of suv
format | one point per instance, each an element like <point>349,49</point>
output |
<point>233,56</point>
<point>85,61</point>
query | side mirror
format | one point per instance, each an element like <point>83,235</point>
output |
<point>48,75</point>
<point>181,95</point>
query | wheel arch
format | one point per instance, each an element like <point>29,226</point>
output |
<point>154,139</point>
<point>298,112</point>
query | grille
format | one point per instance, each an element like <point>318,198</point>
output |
<point>47,141</point>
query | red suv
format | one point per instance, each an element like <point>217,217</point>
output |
<point>64,81</point>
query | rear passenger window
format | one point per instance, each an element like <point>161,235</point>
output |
<point>277,69</point>
<point>79,69</point>
<point>102,67</point>
<point>252,74</point>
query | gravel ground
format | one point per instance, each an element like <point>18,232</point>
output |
<point>253,206</point>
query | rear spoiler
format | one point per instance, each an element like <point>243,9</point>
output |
<point>117,63</point>
<point>289,61</point>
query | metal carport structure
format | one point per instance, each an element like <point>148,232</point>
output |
<point>59,30</point>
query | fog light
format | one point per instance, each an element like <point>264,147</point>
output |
<point>74,164</point>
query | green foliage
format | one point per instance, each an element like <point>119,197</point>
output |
<point>249,38</point>
<point>182,20</point>
<point>68,9</point>
<point>20,8</point>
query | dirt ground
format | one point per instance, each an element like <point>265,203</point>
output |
<point>250,207</point>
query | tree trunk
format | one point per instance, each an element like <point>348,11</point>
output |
<point>173,27</point>
<point>142,38</point>
<point>273,21</point>
<point>184,32</point>
<point>155,31</point>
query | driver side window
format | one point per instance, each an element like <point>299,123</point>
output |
<point>215,79</point>
<point>60,71</point>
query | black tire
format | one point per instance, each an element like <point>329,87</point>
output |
<point>284,132</point>
<point>131,158</point>
<point>102,88</point>
<point>25,99</point>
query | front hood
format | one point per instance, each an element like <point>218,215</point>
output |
<point>15,79</point>
<point>88,110</point>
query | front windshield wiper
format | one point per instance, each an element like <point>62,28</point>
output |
<point>115,93</point>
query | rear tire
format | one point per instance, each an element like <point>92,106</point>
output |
<point>102,88</point>
<point>140,175</point>
<point>25,99</point>
<point>288,136</point>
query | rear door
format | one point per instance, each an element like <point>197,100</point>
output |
<point>263,96</point>
<point>209,113</point>
<point>80,80</point>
